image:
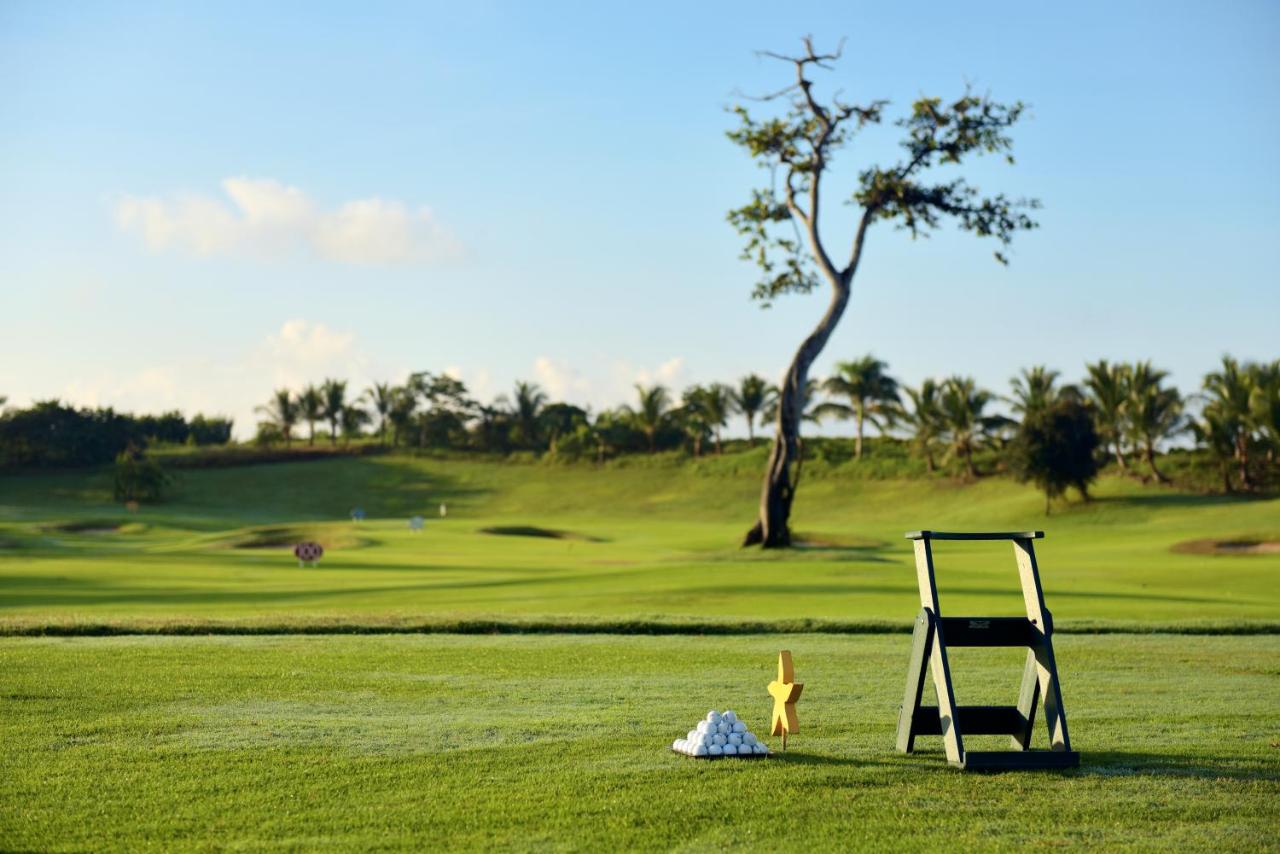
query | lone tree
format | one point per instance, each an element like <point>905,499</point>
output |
<point>781,222</point>
<point>1057,447</point>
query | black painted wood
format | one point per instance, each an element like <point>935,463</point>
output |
<point>1039,690</point>
<point>989,631</point>
<point>974,535</point>
<point>1009,760</point>
<point>972,720</point>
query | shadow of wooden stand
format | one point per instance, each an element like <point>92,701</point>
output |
<point>935,633</point>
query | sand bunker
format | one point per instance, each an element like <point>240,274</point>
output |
<point>1228,547</point>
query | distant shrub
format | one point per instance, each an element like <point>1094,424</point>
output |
<point>138,477</point>
<point>1056,447</point>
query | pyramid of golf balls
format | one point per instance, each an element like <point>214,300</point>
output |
<point>719,735</point>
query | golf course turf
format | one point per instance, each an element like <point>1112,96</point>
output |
<point>233,710</point>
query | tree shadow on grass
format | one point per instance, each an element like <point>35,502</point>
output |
<point>1173,500</point>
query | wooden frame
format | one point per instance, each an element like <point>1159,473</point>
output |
<point>1040,687</point>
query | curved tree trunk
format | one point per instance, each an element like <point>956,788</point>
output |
<point>771,529</point>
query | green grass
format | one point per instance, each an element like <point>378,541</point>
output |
<point>649,543</point>
<point>556,740</point>
<point>413,742</point>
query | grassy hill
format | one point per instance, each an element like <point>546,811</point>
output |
<point>640,543</point>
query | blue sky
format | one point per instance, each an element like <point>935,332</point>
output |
<point>203,201</point>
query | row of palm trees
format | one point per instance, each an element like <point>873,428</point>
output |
<point>315,404</point>
<point>944,421</point>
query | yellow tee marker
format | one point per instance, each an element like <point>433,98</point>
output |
<point>785,691</point>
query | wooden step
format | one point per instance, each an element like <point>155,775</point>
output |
<point>1013,760</point>
<point>973,720</point>
<point>989,631</point>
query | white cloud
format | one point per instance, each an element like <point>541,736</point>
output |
<point>669,373</point>
<point>267,219</point>
<point>302,352</point>
<point>562,382</point>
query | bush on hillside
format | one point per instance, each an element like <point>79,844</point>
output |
<point>1056,447</point>
<point>139,478</point>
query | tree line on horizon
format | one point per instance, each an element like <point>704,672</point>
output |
<point>1129,410</point>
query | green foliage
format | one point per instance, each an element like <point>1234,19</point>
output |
<point>311,409</point>
<point>652,412</point>
<point>1036,388</point>
<point>1153,411</point>
<point>871,392</point>
<point>138,478</point>
<point>779,222</point>
<point>50,434</point>
<point>1056,447</point>
<point>753,396</point>
<point>962,407</point>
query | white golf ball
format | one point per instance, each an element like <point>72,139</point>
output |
<point>720,739</point>
<point>759,748</point>
<point>675,745</point>
<point>713,717</point>
<point>724,728</point>
<point>739,726</point>
<point>700,750</point>
<point>730,716</point>
<point>735,739</point>
<point>730,750</point>
<point>703,726</point>
<point>748,738</point>
<point>706,738</point>
<point>715,750</point>
<point>693,735</point>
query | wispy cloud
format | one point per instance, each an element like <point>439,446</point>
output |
<point>263,218</point>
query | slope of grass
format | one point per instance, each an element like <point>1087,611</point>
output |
<point>414,742</point>
<point>652,540</point>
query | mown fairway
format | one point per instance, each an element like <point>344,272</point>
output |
<point>553,742</point>
<point>650,542</point>
<point>301,739</point>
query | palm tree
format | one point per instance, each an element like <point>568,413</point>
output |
<point>1155,412</point>
<point>753,396</point>
<point>1218,436</point>
<point>561,419</point>
<point>311,408</point>
<point>719,403</point>
<point>924,418</point>
<point>1230,393</point>
<point>871,392</point>
<point>808,408</point>
<point>334,393</point>
<point>1036,389</point>
<point>404,403</point>
<point>1108,388</point>
<point>1264,406</point>
<point>694,416</point>
<point>352,419</point>
<point>962,406</point>
<point>651,413</point>
<point>382,396</point>
<point>282,411</point>
<point>525,408</point>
